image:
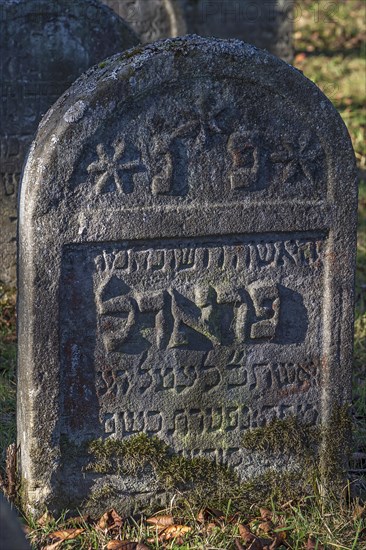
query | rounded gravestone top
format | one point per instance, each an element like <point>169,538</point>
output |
<point>53,41</point>
<point>152,19</point>
<point>44,46</point>
<point>209,94</point>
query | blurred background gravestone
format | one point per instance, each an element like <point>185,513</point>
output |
<point>151,19</point>
<point>44,46</point>
<point>187,250</point>
<point>266,24</point>
<point>11,534</point>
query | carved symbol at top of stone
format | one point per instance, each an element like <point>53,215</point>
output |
<point>299,157</point>
<point>114,167</point>
<point>162,181</point>
<point>198,125</point>
<point>245,153</point>
<point>202,123</point>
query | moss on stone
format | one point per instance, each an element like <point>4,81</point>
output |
<point>336,441</point>
<point>125,456</point>
<point>288,436</point>
<point>70,450</point>
<point>320,450</point>
<point>100,494</point>
<point>131,52</point>
<point>204,482</point>
<point>199,480</point>
<point>99,500</point>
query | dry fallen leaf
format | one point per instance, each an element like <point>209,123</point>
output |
<point>103,522</point>
<point>254,542</point>
<point>215,512</point>
<point>208,528</point>
<point>265,514</point>
<point>110,520</point>
<point>300,57</point>
<point>234,518</point>
<point>211,515</point>
<point>174,531</point>
<point>201,516</point>
<point>66,534</point>
<point>256,545</point>
<point>359,511</point>
<point>266,526</point>
<point>279,539</point>
<point>116,518</point>
<point>246,534</point>
<point>46,518</point>
<point>53,546</point>
<point>121,545</point>
<point>26,529</point>
<point>312,544</point>
<point>161,521</point>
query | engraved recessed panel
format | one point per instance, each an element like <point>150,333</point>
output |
<point>192,340</point>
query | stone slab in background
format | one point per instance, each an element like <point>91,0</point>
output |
<point>266,24</point>
<point>187,251</point>
<point>11,534</point>
<point>151,19</point>
<point>44,46</point>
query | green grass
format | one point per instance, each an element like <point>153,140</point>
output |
<point>330,42</point>
<point>336,527</point>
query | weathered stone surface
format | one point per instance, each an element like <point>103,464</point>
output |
<point>187,246</point>
<point>267,25</point>
<point>152,19</point>
<point>44,46</point>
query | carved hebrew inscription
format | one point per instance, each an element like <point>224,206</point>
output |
<point>247,160</point>
<point>192,339</point>
<point>254,311</point>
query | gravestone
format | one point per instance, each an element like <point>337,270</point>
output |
<point>11,534</point>
<point>44,46</point>
<point>187,247</point>
<point>152,19</point>
<point>267,25</point>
